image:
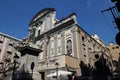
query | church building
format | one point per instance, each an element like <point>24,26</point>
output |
<point>64,42</point>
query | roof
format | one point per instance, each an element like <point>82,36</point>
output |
<point>47,10</point>
<point>10,36</point>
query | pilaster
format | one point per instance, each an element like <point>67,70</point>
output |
<point>55,38</point>
<point>74,39</point>
<point>63,42</point>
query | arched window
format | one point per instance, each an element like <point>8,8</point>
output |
<point>38,32</point>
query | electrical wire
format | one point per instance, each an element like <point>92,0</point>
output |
<point>110,15</point>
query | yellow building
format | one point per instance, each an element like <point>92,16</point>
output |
<point>115,51</point>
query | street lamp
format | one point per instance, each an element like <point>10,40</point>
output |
<point>1,70</point>
<point>15,57</point>
<point>57,70</point>
<point>1,63</point>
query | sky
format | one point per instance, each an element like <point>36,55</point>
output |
<point>15,16</point>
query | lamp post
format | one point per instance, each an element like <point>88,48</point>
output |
<point>1,70</point>
<point>1,63</point>
<point>15,57</point>
<point>56,70</point>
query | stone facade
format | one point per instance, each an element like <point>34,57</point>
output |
<point>60,41</point>
<point>115,51</point>
<point>64,42</point>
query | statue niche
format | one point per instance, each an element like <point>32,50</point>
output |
<point>69,47</point>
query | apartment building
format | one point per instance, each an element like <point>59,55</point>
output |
<point>7,50</point>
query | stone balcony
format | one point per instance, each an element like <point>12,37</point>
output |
<point>64,61</point>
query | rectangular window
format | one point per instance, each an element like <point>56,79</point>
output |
<point>83,39</point>
<point>1,42</point>
<point>1,39</point>
<point>8,56</point>
<point>38,32</point>
<point>11,42</point>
